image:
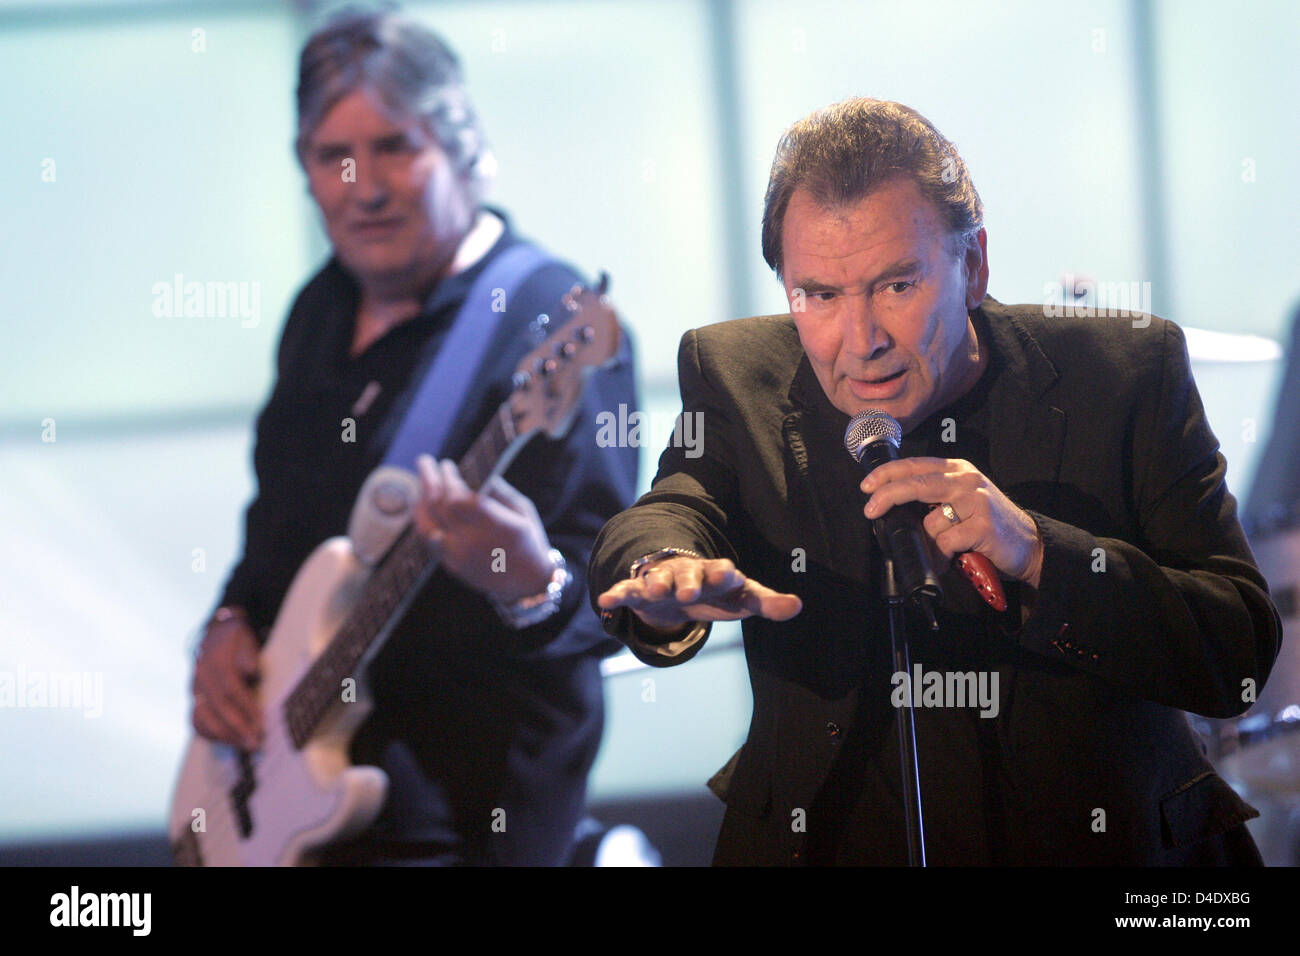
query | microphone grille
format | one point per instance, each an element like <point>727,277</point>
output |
<point>868,426</point>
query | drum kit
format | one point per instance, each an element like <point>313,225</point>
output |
<point>1259,752</point>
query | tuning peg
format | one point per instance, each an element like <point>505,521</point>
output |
<point>521,378</point>
<point>585,334</point>
<point>538,326</point>
<point>570,299</point>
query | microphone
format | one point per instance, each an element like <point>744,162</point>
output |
<point>872,438</point>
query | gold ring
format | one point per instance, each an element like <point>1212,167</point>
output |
<point>949,513</point>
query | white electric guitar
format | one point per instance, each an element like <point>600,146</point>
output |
<point>280,804</point>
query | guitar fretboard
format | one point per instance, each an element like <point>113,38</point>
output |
<point>394,583</point>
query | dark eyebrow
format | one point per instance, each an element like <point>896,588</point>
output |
<point>904,267</point>
<point>391,139</point>
<point>387,139</point>
<point>812,286</point>
<point>324,147</point>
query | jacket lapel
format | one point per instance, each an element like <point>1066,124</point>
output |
<point>1027,432</point>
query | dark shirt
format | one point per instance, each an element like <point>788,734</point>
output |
<point>845,824</point>
<point>862,797</point>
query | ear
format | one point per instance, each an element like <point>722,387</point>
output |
<point>977,268</point>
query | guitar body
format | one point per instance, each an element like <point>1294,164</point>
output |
<point>301,799</point>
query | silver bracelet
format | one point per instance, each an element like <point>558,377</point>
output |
<point>659,555</point>
<point>536,608</point>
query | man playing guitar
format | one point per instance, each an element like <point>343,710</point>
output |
<point>487,704</point>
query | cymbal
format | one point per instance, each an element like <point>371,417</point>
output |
<point>1204,345</point>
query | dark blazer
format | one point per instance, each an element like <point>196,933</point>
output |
<point>1097,430</point>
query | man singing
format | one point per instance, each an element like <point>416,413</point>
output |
<point>1073,454</point>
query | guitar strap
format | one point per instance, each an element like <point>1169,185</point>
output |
<point>437,404</point>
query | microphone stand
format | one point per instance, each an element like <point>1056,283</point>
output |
<point>911,780</point>
<point>873,438</point>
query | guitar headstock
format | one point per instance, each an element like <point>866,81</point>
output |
<point>548,381</point>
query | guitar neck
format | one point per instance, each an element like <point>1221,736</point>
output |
<point>390,589</point>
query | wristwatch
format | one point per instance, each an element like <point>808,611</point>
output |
<point>528,611</point>
<point>227,612</point>
<point>661,554</point>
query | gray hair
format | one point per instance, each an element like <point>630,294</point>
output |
<point>847,150</point>
<point>413,72</point>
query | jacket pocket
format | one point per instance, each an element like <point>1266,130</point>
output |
<point>744,785</point>
<point>1203,807</point>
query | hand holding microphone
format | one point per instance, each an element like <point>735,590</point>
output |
<point>970,519</point>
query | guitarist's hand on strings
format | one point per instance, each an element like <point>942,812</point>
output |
<point>225,708</point>
<point>470,525</point>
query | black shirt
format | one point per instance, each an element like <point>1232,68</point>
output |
<point>960,770</point>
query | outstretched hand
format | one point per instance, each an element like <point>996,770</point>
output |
<point>677,590</point>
